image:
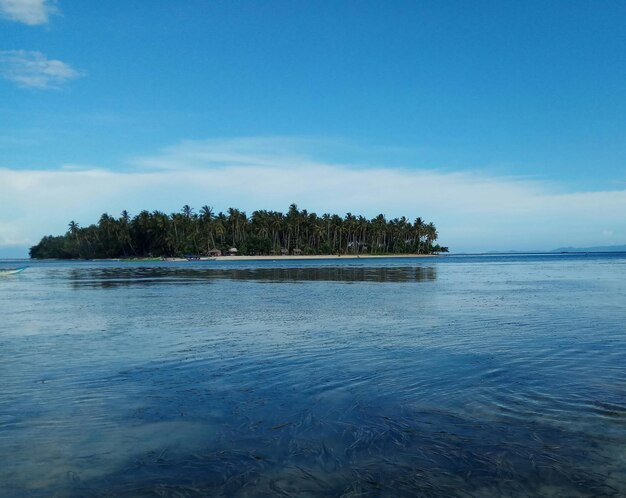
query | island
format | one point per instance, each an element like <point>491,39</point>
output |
<point>191,235</point>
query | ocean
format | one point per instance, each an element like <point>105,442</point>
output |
<point>468,376</point>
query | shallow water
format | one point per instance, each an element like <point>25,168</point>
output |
<point>453,376</point>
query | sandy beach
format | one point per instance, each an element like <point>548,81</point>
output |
<point>307,257</point>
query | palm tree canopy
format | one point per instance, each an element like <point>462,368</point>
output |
<point>264,232</point>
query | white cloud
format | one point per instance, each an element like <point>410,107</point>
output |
<point>473,211</point>
<point>33,69</point>
<point>251,151</point>
<point>31,12</point>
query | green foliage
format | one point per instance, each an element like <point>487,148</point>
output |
<point>156,234</point>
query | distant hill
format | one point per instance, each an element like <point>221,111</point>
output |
<point>621,248</point>
<point>592,249</point>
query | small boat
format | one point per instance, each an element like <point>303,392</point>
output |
<point>11,271</point>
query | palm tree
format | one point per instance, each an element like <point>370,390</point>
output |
<point>418,230</point>
<point>293,225</point>
<point>74,231</point>
<point>206,217</point>
<point>73,226</point>
<point>124,233</point>
<point>276,226</point>
<point>108,236</point>
<point>219,227</point>
<point>160,234</point>
<point>187,211</point>
<point>431,235</point>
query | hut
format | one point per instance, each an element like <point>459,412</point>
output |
<point>215,252</point>
<point>232,251</point>
<point>284,252</point>
<point>297,252</point>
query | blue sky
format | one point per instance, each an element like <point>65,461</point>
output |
<point>502,122</point>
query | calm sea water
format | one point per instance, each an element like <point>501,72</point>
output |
<point>455,376</point>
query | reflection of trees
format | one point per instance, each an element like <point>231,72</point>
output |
<point>107,277</point>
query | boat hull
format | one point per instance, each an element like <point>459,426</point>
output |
<point>11,271</point>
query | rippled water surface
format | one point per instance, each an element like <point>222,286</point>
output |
<point>453,376</point>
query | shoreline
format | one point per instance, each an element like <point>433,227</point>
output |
<point>241,258</point>
<point>302,257</point>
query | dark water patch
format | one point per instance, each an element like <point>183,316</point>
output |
<point>112,277</point>
<point>322,423</point>
<point>423,453</point>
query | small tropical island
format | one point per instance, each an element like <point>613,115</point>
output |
<point>265,233</point>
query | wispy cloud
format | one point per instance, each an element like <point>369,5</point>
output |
<point>31,12</point>
<point>31,69</point>
<point>472,210</point>
<point>248,151</point>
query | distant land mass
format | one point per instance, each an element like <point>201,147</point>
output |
<point>621,248</point>
<point>618,248</point>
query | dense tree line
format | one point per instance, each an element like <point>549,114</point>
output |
<point>156,234</point>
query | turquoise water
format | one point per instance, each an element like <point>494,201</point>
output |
<point>453,376</point>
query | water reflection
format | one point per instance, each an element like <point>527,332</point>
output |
<point>112,277</point>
